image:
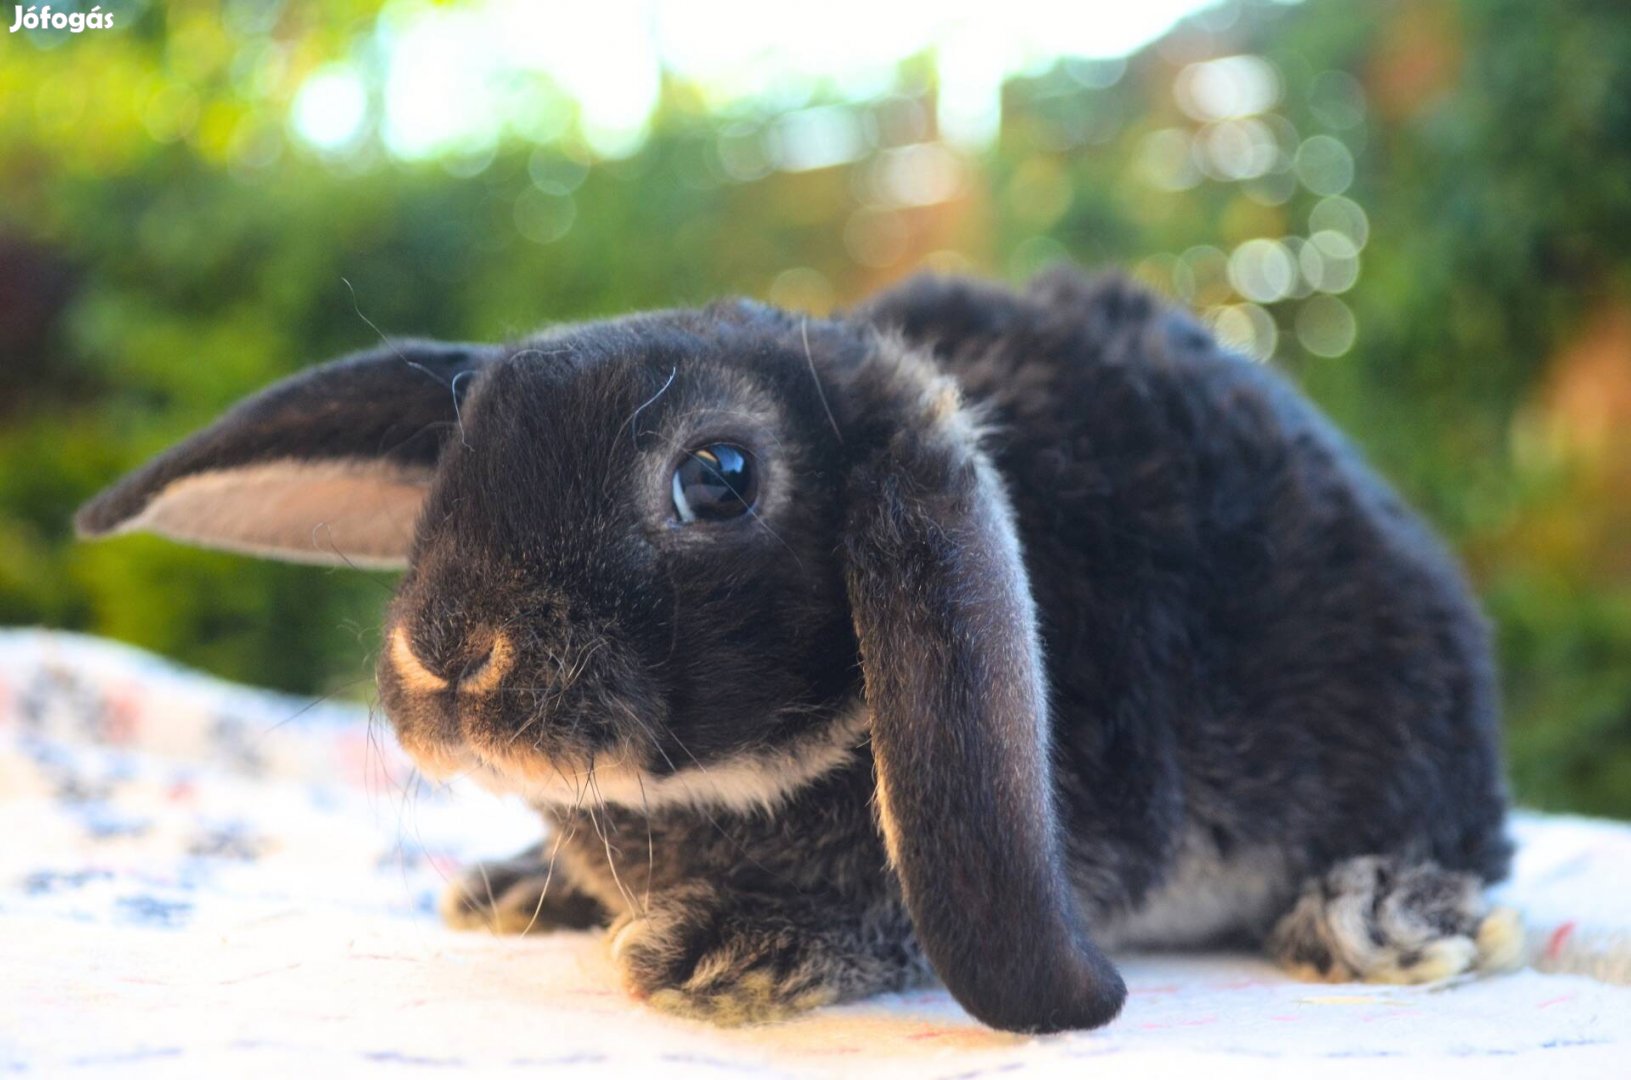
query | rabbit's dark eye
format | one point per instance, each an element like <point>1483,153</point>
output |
<point>714,483</point>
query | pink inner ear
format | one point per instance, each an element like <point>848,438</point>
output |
<point>331,512</point>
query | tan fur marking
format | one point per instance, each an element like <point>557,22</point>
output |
<point>497,665</point>
<point>414,674</point>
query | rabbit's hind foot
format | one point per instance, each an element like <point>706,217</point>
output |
<point>1382,920</point>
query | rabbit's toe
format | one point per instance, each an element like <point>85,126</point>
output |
<point>1502,943</point>
<point>1376,919</point>
<point>700,964</point>
<point>757,996</point>
<point>517,896</point>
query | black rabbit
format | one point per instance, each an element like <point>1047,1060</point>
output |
<point>961,634</point>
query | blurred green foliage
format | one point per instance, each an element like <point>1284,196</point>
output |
<point>1421,210</point>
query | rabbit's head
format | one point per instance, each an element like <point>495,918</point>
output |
<point>698,556</point>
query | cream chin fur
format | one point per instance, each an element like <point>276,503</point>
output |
<point>756,780</point>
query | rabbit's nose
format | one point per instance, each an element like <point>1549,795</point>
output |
<point>483,672</point>
<point>475,671</point>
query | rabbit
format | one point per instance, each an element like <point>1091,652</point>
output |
<point>965,634</point>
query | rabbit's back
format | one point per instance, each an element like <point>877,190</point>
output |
<point>1253,645</point>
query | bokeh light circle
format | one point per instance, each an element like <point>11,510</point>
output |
<point>1326,326</point>
<point>1324,165</point>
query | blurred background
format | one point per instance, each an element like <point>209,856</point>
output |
<point>1419,210</point>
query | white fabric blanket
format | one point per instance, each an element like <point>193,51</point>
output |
<point>198,878</point>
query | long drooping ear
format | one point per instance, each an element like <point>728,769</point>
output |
<point>960,730</point>
<point>327,466</point>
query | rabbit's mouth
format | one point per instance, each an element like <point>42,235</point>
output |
<point>757,779</point>
<point>567,773</point>
<point>555,780</point>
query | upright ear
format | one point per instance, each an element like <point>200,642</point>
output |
<point>328,466</point>
<point>960,728</point>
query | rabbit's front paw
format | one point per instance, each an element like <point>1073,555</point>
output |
<point>727,966</point>
<point>519,895</point>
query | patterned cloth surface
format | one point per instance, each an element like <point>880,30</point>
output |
<point>201,878</point>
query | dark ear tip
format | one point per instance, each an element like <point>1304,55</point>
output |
<point>101,515</point>
<point>1094,1002</point>
<point>89,524</point>
<point>1099,1004</point>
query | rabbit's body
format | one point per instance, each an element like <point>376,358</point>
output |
<point>1259,657</point>
<point>1187,522</point>
<point>1042,620</point>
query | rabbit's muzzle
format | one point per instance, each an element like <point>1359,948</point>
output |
<point>526,704</point>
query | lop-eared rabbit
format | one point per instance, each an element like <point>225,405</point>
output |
<point>962,635</point>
